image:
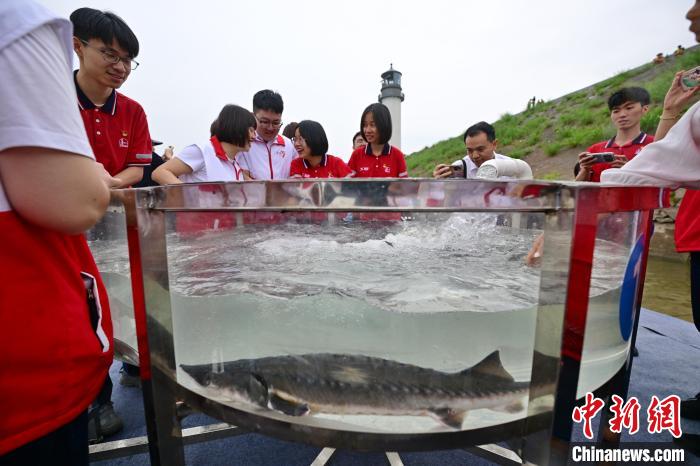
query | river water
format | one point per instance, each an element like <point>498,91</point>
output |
<point>667,288</point>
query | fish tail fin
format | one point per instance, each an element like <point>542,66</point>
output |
<point>449,417</point>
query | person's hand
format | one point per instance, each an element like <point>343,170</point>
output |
<point>108,179</point>
<point>585,162</point>
<point>677,98</point>
<point>619,161</point>
<point>534,256</point>
<point>247,176</point>
<point>443,171</point>
<point>168,153</point>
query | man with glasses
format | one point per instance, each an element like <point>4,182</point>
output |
<point>271,154</point>
<point>116,125</point>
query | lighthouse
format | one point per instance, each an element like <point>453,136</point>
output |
<point>391,96</point>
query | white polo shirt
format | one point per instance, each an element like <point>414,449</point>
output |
<point>209,162</point>
<point>268,160</point>
<point>471,167</point>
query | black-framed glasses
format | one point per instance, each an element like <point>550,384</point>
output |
<point>268,123</point>
<point>113,58</point>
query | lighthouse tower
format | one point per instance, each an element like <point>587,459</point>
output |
<point>391,96</point>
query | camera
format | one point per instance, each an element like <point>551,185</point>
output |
<point>603,157</point>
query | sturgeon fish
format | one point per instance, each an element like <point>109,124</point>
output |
<point>305,384</point>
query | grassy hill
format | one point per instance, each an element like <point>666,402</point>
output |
<point>550,136</point>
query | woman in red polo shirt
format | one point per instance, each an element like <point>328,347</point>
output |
<point>378,159</point>
<point>311,144</point>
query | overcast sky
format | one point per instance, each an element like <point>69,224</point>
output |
<point>461,61</point>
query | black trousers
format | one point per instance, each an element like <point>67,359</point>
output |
<point>695,286</point>
<point>65,446</point>
<point>105,395</point>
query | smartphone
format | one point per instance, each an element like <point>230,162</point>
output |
<point>458,169</point>
<point>603,157</point>
<point>690,78</point>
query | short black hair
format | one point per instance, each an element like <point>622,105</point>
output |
<point>359,133</point>
<point>629,94</point>
<point>481,127</point>
<point>89,23</point>
<point>268,100</point>
<point>232,125</point>
<point>314,135</point>
<point>382,120</point>
<point>289,129</point>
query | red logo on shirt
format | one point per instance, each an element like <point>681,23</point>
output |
<point>123,142</point>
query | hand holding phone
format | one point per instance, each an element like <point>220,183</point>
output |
<point>603,157</point>
<point>457,169</point>
<point>690,78</point>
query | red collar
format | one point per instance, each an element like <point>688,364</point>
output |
<point>279,140</point>
<point>221,154</point>
<point>218,149</point>
<point>636,141</point>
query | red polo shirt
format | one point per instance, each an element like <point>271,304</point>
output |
<point>117,131</point>
<point>688,223</point>
<point>390,164</point>
<point>629,150</point>
<point>330,167</point>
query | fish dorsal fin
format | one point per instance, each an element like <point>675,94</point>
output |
<point>491,365</point>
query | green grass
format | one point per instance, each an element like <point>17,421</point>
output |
<point>552,176</point>
<point>575,121</point>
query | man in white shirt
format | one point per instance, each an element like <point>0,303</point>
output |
<point>271,154</point>
<point>481,143</point>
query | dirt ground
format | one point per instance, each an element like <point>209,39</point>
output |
<point>561,165</point>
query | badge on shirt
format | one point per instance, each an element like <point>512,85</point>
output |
<point>123,143</point>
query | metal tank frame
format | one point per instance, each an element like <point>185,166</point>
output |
<point>570,209</point>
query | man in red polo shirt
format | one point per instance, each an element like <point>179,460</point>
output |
<point>627,107</point>
<point>116,125</point>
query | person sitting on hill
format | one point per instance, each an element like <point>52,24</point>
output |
<point>627,107</point>
<point>679,51</point>
<point>659,58</point>
<point>481,143</point>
